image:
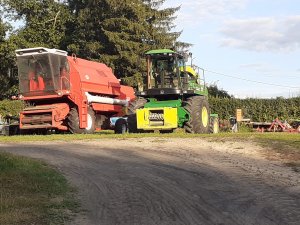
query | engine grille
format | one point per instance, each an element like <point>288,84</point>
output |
<point>41,119</point>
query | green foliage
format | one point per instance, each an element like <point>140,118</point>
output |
<point>8,73</point>
<point>45,21</point>
<point>214,91</point>
<point>11,108</point>
<point>257,109</point>
<point>44,25</point>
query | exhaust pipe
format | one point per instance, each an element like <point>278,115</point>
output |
<point>105,100</point>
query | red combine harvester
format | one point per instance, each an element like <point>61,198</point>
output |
<point>67,93</point>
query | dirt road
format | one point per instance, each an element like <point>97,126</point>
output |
<point>173,181</point>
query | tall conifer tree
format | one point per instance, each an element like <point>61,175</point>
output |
<point>119,32</point>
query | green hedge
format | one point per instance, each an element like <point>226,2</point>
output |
<point>11,108</point>
<point>257,109</point>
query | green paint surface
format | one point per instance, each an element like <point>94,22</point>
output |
<point>159,51</point>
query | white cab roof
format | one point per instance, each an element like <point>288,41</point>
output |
<point>39,50</point>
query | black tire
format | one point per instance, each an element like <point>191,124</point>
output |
<point>166,131</point>
<point>136,104</point>
<point>26,132</point>
<point>214,127</point>
<point>131,120</point>
<point>15,129</point>
<point>42,132</point>
<point>198,108</point>
<point>121,126</point>
<point>73,122</point>
<point>132,123</point>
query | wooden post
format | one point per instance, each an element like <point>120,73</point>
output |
<point>239,115</point>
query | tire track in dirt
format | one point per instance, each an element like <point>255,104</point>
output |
<point>173,181</point>
<point>255,176</point>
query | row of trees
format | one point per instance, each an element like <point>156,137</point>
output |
<point>114,32</point>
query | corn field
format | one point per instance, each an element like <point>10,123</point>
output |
<point>262,110</point>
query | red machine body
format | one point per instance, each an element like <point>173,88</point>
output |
<point>68,93</point>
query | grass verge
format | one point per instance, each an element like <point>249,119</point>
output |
<point>33,193</point>
<point>274,140</point>
<point>277,146</point>
<point>286,144</point>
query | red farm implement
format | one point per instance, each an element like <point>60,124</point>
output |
<point>276,126</point>
<point>66,93</point>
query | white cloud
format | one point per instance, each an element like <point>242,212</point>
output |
<point>195,11</point>
<point>259,67</point>
<point>263,34</point>
<point>204,8</point>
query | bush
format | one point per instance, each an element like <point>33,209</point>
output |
<point>257,109</point>
<point>11,108</point>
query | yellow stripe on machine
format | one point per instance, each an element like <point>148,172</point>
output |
<point>189,70</point>
<point>157,118</point>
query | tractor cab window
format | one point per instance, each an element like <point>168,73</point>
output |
<point>164,73</point>
<point>45,73</point>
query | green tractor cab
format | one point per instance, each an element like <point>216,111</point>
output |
<point>169,77</point>
<point>174,96</point>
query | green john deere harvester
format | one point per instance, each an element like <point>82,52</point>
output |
<point>175,96</point>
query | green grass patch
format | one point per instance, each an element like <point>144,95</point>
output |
<point>280,141</point>
<point>99,135</point>
<point>273,140</point>
<point>33,193</point>
<point>287,144</point>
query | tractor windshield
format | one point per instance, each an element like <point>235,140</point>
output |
<point>44,73</point>
<point>165,71</point>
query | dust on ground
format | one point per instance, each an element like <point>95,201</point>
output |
<point>172,181</point>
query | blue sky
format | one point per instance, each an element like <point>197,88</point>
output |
<point>257,40</point>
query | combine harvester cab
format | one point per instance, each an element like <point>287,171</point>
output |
<point>66,93</point>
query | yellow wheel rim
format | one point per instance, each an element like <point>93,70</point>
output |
<point>204,117</point>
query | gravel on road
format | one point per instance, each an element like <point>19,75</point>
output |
<point>172,181</point>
